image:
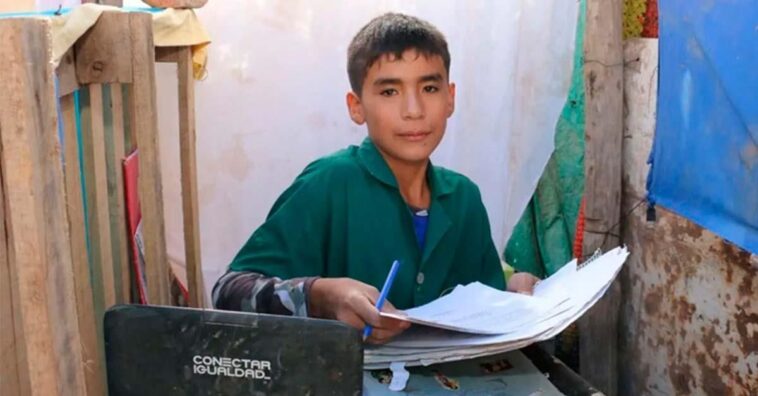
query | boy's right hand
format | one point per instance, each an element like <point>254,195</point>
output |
<point>354,303</point>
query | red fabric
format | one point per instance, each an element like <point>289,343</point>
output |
<point>579,237</point>
<point>134,215</point>
<point>650,20</point>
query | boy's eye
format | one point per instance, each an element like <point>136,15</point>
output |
<point>388,92</point>
<point>431,89</point>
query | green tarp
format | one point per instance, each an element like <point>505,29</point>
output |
<point>543,238</point>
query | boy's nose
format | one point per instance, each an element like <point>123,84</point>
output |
<point>413,108</point>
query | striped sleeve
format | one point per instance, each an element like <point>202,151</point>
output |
<point>254,292</point>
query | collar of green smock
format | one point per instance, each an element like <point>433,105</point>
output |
<point>374,162</point>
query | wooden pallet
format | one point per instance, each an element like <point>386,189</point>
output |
<point>62,266</point>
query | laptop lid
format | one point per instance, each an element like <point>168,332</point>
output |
<point>155,350</point>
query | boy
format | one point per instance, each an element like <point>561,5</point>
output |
<point>330,239</point>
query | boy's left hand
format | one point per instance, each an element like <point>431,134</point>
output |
<point>522,282</point>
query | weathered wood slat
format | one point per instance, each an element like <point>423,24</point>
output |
<point>188,158</point>
<point>129,138</point>
<point>167,54</point>
<point>98,214</point>
<point>103,52</point>
<point>144,124</point>
<point>48,345</point>
<point>66,72</point>
<point>603,79</point>
<point>94,374</point>
<point>113,198</point>
<point>9,380</point>
<point>116,193</point>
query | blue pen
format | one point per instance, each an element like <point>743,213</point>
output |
<point>383,294</point>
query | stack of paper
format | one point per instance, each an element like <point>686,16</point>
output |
<point>477,320</point>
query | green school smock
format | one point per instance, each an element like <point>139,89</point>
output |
<point>344,217</point>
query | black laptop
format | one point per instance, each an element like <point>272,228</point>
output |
<point>165,351</point>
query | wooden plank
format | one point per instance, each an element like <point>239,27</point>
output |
<point>66,73</point>
<point>116,152</point>
<point>603,75</point>
<point>119,144</point>
<point>144,124</point>
<point>113,201</point>
<point>188,158</point>
<point>103,52</point>
<point>85,118</point>
<point>94,374</point>
<point>98,215</point>
<point>9,379</point>
<point>129,138</point>
<point>48,346</point>
<point>167,54</point>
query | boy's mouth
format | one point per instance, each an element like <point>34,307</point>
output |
<point>414,136</point>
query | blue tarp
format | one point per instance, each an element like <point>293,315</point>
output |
<point>705,153</point>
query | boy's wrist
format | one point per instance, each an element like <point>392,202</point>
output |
<point>307,286</point>
<point>316,295</point>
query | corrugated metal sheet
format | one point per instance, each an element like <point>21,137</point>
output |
<point>690,306</point>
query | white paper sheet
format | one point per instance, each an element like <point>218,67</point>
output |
<point>559,300</point>
<point>480,309</point>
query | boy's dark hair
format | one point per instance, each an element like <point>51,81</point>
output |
<point>392,33</point>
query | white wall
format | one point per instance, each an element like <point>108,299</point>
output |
<point>46,5</point>
<point>34,5</point>
<point>273,101</point>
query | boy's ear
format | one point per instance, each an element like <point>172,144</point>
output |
<point>450,99</point>
<point>355,108</point>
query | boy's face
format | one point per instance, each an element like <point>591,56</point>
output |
<point>405,104</point>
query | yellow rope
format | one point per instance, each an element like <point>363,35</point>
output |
<point>634,15</point>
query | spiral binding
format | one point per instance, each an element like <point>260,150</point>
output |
<point>592,258</point>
